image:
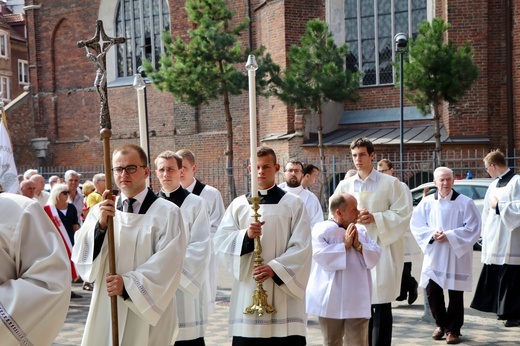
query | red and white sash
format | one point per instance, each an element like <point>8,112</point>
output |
<point>55,218</point>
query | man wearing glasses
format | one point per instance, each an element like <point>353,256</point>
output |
<point>293,176</point>
<point>499,283</point>
<point>150,245</point>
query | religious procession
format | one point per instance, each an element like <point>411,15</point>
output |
<point>350,222</point>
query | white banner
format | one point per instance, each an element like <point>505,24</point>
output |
<point>8,174</point>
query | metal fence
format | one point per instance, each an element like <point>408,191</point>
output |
<point>417,169</point>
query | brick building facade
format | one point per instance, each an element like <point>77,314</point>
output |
<point>63,106</point>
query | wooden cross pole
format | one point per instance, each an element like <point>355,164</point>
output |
<point>100,44</point>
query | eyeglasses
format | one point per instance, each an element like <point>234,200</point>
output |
<point>130,169</point>
<point>487,167</point>
<point>293,170</point>
<point>65,192</point>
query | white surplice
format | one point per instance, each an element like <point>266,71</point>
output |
<point>192,295</point>
<point>216,209</point>
<point>286,248</point>
<point>449,264</point>
<point>34,274</point>
<point>392,210</point>
<point>150,251</point>
<point>340,285</point>
<point>412,251</point>
<point>501,232</point>
<point>312,203</point>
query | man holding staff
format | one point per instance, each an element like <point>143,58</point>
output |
<point>286,250</point>
<point>150,245</point>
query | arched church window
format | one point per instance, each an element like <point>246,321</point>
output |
<point>142,23</point>
<point>370,26</point>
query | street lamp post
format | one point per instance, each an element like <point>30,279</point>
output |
<point>401,42</point>
<point>140,87</point>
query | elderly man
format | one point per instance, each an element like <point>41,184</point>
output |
<point>27,187</point>
<point>76,197</point>
<point>150,244</point>
<point>96,196</point>
<point>40,194</point>
<point>499,283</point>
<point>192,295</point>
<point>446,224</point>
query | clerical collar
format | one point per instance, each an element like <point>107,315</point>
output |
<point>504,174</point>
<point>167,194</point>
<point>265,192</point>
<point>273,195</point>
<point>191,186</point>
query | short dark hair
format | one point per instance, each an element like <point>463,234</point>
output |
<point>126,148</point>
<point>295,162</point>
<point>308,168</point>
<point>265,151</point>
<point>168,154</point>
<point>496,157</point>
<point>362,142</point>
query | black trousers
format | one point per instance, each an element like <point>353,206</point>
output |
<point>451,318</point>
<point>194,342</point>
<point>380,325</point>
<point>291,340</point>
<point>408,282</point>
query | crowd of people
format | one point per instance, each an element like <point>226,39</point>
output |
<point>346,270</point>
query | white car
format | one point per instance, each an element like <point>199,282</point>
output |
<point>473,188</point>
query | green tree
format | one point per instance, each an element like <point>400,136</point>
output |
<point>436,71</point>
<point>317,75</point>
<point>210,64</point>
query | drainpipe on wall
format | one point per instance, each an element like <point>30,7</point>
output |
<point>509,81</point>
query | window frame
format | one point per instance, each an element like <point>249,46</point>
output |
<point>411,32</point>
<point>7,97</point>
<point>4,45</point>
<point>23,72</point>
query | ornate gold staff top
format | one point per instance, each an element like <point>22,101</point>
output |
<point>101,43</point>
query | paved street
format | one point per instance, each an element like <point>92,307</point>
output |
<point>408,329</point>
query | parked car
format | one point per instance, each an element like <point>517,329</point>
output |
<point>473,188</point>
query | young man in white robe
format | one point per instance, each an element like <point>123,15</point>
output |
<point>411,249</point>
<point>192,295</point>
<point>340,285</point>
<point>150,244</point>
<point>499,283</point>
<point>385,211</point>
<point>285,237</point>
<point>446,224</point>
<point>215,207</point>
<point>293,175</point>
<point>34,274</point>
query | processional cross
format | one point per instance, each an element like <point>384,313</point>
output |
<point>100,44</point>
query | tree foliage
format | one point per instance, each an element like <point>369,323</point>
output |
<point>210,63</point>
<point>317,75</point>
<point>437,70</point>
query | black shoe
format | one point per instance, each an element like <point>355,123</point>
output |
<point>412,295</point>
<point>401,297</point>
<point>512,323</point>
<point>75,295</point>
